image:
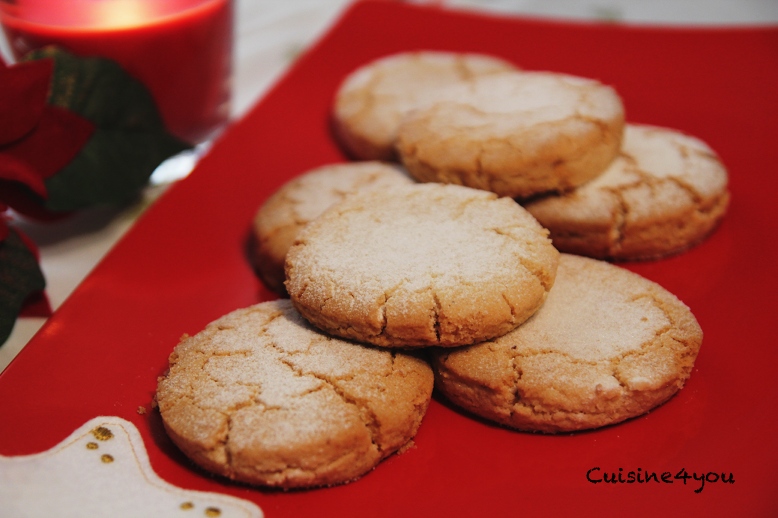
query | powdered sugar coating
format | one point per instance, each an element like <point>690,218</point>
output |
<point>532,98</point>
<point>259,396</point>
<point>421,265</point>
<point>372,100</point>
<point>665,193</point>
<point>607,345</point>
<point>303,199</point>
<point>516,134</point>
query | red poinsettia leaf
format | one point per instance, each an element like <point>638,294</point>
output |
<point>24,89</point>
<point>66,134</point>
<point>36,305</point>
<point>26,202</point>
<point>16,169</point>
<point>57,138</point>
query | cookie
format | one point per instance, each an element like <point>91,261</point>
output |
<point>516,134</point>
<point>372,100</point>
<point>301,200</point>
<point>261,397</point>
<point>665,193</point>
<point>421,265</point>
<point>606,346</point>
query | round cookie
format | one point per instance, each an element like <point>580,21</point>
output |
<point>260,397</point>
<point>665,193</point>
<point>303,199</point>
<point>373,99</point>
<point>606,346</point>
<point>516,134</point>
<point>421,265</point>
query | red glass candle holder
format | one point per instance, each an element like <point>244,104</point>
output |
<point>181,50</point>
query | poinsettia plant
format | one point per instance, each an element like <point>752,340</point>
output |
<point>74,133</point>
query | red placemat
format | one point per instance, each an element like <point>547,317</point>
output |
<point>184,264</point>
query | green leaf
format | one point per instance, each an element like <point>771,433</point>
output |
<point>20,277</point>
<point>83,182</point>
<point>130,139</point>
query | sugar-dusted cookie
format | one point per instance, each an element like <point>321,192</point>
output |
<point>607,345</point>
<point>261,397</point>
<point>372,100</point>
<point>666,192</point>
<point>516,134</point>
<point>304,198</point>
<point>420,265</point>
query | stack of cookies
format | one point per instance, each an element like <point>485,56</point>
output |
<point>557,143</point>
<point>456,261</point>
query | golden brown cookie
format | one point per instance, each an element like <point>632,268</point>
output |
<point>666,192</point>
<point>261,397</point>
<point>301,200</point>
<point>516,134</point>
<point>372,100</point>
<point>607,345</point>
<point>420,265</point>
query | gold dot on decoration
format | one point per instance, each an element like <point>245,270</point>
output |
<point>91,446</point>
<point>106,458</point>
<point>187,505</point>
<point>102,433</point>
<point>213,511</point>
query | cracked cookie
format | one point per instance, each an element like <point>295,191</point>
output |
<point>665,193</point>
<point>421,265</point>
<point>301,200</point>
<point>261,397</point>
<point>606,346</point>
<point>516,134</point>
<point>372,100</point>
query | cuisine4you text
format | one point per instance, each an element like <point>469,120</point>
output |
<point>596,475</point>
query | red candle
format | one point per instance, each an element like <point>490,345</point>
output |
<point>180,49</point>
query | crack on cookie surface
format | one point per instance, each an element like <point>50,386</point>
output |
<point>436,311</point>
<point>369,419</point>
<point>384,320</point>
<point>512,308</point>
<point>678,187</point>
<point>514,162</point>
<point>619,223</point>
<point>359,290</point>
<point>202,385</point>
<point>522,384</point>
<point>517,373</point>
<point>611,366</point>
